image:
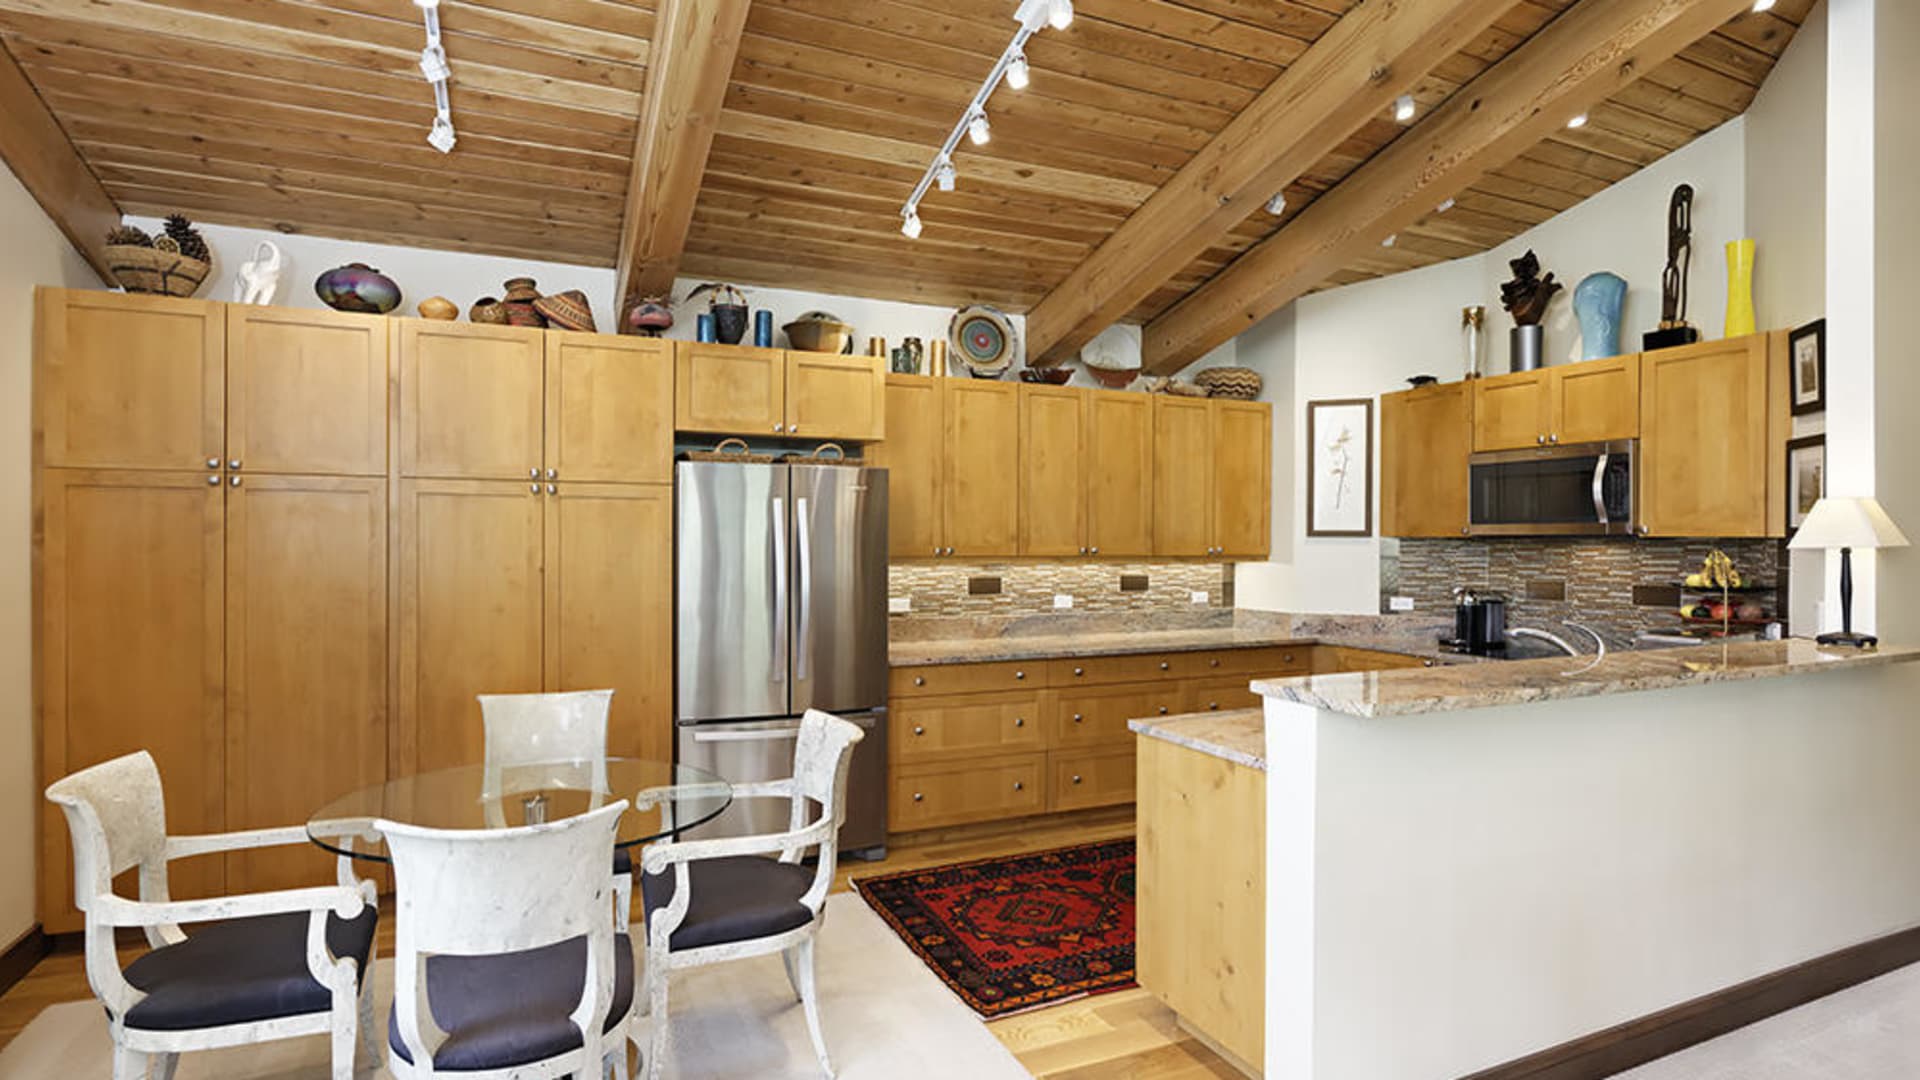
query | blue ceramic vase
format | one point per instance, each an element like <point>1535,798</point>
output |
<point>1597,301</point>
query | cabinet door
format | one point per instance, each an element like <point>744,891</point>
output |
<point>1705,414</point>
<point>129,382</point>
<point>914,455</point>
<point>1119,474</point>
<point>1596,401</point>
<point>471,400</point>
<point>1425,437</point>
<point>306,391</point>
<point>729,389</point>
<point>131,653</point>
<point>306,660</point>
<point>469,612</point>
<point>1097,716</point>
<point>836,397</point>
<point>1242,477</point>
<point>982,497</point>
<point>609,606</point>
<point>609,408</point>
<point>1182,476</point>
<point>1052,471</point>
<point>1512,411</point>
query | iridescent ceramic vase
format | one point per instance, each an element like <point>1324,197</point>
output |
<point>357,287</point>
<point>1597,302</point>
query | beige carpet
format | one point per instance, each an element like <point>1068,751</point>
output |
<point>886,1016</point>
<point>1865,1032</point>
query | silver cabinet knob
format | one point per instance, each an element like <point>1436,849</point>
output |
<point>1079,671</point>
<point>233,463</point>
<point>1163,710</point>
<point>1076,778</point>
<point>1553,438</point>
<point>783,427</point>
<point>949,550</point>
<point>1466,530</point>
<point>1083,551</point>
<point>936,552</point>
<point>213,463</point>
<point>553,473</point>
<point>1213,705</point>
<point>1076,718</point>
<point>793,429</point>
<point>1286,658</point>
<point>552,488</point>
<point>917,797</point>
<point>1426,663</point>
<point>1019,674</point>
<point>1095,551</point>
<point>235,481</point>
<point>1163,665</point>
<point>1215,662</point>
<point>1018,786</point>
<point>919,680</point>
<point>213,480</point>
<point>918,730</point>
<point>535,488</point>
<point>1019,721</point>
<point>533,474</point>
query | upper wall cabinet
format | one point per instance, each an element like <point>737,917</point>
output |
<point>1713,440</point>
<point>914,456</point>
<point>609,408</point>
<point>1592,401</point>
<point>982,511</point>
<point>736,390</point>
<point>1425,437</point>
<point>306,391</point>
<point>1182,476</point>
<point>1053,471</point>
<point>1242,479</point>
<point>1119,474</point>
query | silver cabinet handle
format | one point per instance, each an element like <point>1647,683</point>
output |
<point>1019,721</point>
<point>803,638</point>
<point>1215,662</point>
<point>783,427</point>
<point>233,463</point>
<point>917,796</point>
<point>553,473</point>
<point>793,429</point>
<point>918,730</point>
<point>949,550</point>
<point>919,680</point>
<point>1096,551</point>
<point>936,553</point>
<point>1554,438</point>
<point>214,480</point>
<point>235,481</point>
<point>553,489</point>
<point>1076,778</point>
<point>779,659</point>
<point>213,463</point>
<point>1083,551</point>
<point>533,474</point>
<point>1600,489</point>
<point>1213,705</point>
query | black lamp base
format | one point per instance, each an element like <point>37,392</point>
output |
<point>1853,641</point>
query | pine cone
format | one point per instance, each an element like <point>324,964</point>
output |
<point>128,236</point>
<point>166,245</point>
<point>192,244</point>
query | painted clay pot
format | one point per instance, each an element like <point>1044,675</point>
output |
<point>729,322</point>
<point>650,317</point>
<point>489,311</point>
<point>357,287</point>
<point>521,293</point>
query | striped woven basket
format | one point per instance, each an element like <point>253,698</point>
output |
<point>149,270</point>
<point>1237,383</point>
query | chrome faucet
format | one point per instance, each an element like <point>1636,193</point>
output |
<point>1565,646</point>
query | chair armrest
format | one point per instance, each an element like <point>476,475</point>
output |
<point>666,793</point>
<point>659,857</point>
<point>765,789</point>
<point>112,910</point>
<point>181,847</point>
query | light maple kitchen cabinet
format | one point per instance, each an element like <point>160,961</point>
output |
<point>306,391</point>
<point>829,396</point>
<point>982,502</point>
<point>1182,476</point>
<point>1591,401</point>
<point>609,403</point>
<point>1119,474</point>
<point>1425,437</point>
<point>472,400</point>
<point>1242,480</point>
<point>1053,471</point>
<point>914,455</point>
<point>1714,421</point>
<point>738,390</point>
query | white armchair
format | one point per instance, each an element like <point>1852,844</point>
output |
<point>277,965</point>
<point>709,901</point>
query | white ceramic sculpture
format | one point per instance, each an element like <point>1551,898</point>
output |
<point>259,280</point>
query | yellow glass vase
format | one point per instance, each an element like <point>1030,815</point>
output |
<point>1740,319</point>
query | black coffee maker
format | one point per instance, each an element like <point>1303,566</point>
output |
<point>1479,622</point>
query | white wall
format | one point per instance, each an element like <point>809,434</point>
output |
<point>1896,285</point>
<point>35,253</point>
<point>1366,339</point>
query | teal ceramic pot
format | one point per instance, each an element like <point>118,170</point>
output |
<point>358,287</point>
<point>1597,302</point>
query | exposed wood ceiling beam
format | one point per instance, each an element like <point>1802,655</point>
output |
<point>50,168</point>
<point>1375,53</point>
<point>694,44</point>
<point>1592,51</point>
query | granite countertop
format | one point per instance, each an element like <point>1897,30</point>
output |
<point>960,641</point>
<point>1239,736</point>
<point>1063,646</point>
<point>1412,691</point>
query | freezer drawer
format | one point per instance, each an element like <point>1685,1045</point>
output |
<point>744,753</point>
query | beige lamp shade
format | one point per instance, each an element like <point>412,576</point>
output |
<point>1848,523</point>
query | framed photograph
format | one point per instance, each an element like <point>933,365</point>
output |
<point>1340,467</point>
<point>1807,348</point>
<point>1806,477</point>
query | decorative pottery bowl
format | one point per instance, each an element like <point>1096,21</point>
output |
<point>729,322</point>
<point>818,331</point>
<point>1114,378</point>
<point>438,308</point>
<point>650,316</point>
<point>489,311</point>
<point>1052,376</point>
<point>357,287</point>
<point>983,339</point>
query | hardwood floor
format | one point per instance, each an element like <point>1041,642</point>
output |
<point>1126,1035</point>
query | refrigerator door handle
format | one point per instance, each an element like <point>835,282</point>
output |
<point>779,672</point>
<point>771,733</point>
<point>803,639</point>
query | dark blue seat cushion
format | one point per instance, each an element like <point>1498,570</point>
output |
<point>241,971</point>
<point>622,860</point>
<point>512,1009</point>
<point>734,899</point>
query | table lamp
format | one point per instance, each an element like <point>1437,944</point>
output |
<point>1847,524</point>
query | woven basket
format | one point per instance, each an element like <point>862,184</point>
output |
<point>1236,383</point>
<point>734,450</point>
<point>148,270</point>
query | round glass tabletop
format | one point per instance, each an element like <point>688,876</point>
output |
<point>666,800</point>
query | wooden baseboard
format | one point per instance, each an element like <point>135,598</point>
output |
<point>1671,1030</point>
<point>20,957</point>
<point>988,830</point>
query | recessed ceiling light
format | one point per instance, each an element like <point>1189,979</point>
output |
<point>1579,121</point>
<point>1404,108</point>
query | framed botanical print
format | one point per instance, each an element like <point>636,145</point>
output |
<point>1340,467</point>
<point>1806,477</point>
<point>1807,351</point>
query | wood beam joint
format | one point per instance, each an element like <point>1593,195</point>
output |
<point>38,151</point>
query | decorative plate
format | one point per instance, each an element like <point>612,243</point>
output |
<point>983,339</point>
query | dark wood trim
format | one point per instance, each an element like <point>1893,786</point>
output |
<point>22,955</point>
<point>1668,1031</point>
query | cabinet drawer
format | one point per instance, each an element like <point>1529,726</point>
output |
<point>1221,694</point>
<point>975,725</point>
<point>1265,661</point>
<point>1350,659</point>
<point>967,678</point>
<point>1097,717</point>
<point>954,793</point>
<point>1097,670</point>
<point>1082,780</point>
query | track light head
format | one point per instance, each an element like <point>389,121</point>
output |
<point>1579,121</point>
<point>433,64</point>
<point>1404,108</point>
<point>979,130</point>
<point>1060,14</point>
<point>1391,240</point>
<point>1278,204</point>
<point>910,226</point>
<point>1017,72</point>
<point>1445,205</point>
<point>1762,5</point>
<point>944,176</point>
<point>441,138</point>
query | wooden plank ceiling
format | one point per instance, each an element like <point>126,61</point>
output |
<point>310,116</point>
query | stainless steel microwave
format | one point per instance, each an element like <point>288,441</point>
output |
<point>1583,489</point>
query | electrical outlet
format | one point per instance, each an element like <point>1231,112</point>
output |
<point>1400,603</point>
<point>1198,597</point>
<point>1062,600</point>
<point>899,605</point>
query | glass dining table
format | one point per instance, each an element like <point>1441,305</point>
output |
<point>665,801</point>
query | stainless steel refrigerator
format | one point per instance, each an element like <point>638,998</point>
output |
<point>781,607</point>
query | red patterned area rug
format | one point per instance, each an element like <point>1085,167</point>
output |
<point>1014,933</point>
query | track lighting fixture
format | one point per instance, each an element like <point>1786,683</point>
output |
<point>1278,204</point>
<point>1579,121</point>
<point>1391,240</point>
<point>1011,68</point>
<point>1762,5</point>
<point>1445,205</point>
<point>1017,73</point>
<point>433,65</point>
<point>1404,108</point>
